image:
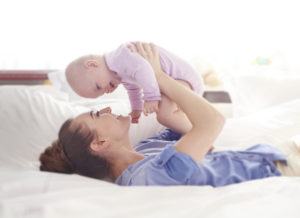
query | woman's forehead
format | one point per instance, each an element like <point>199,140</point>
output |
<point>84,116</point>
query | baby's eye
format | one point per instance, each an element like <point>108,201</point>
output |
<point>98,87</point>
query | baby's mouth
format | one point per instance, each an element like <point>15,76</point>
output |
<point>112,86</point>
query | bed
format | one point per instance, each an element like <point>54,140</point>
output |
<point>31,115</point>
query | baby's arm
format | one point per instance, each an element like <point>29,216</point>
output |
<point>134,67</point>
<point>135,97</point>
<point>145,77</point>
<point>141,72</point>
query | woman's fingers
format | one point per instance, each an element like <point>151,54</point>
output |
<point>132,47</point>
<point>147,48</point>
<point>140,49</point>
<point>145,113</point>
<point>154,50</point>
<point>150,53</point>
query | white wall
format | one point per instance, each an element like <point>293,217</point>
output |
<point>49,33</point>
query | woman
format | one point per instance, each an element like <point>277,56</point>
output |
<point>97,145</point>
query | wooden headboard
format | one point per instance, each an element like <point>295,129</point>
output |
<point>24,77</point>
<point>38,77</point>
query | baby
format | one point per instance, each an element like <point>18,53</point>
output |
<point>92,76</point>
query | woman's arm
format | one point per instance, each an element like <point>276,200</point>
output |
<point>207,122</point>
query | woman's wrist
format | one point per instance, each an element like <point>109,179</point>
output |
<point>160,77</point>
<point>159,74</point>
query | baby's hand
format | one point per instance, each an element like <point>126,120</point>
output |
<point>135,115</point>
<point>150,107</point>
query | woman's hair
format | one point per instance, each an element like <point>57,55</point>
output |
<point>71,153</point>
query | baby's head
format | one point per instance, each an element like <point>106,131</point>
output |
<point>90,77</point>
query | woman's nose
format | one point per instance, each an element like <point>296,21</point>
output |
<point>105,110</point>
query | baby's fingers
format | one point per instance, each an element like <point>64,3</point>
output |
<point>134,120</point>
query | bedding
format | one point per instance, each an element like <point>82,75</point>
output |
<point>251,92</point>
<point>31,117</point>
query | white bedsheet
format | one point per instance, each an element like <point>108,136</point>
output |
<point>41,195</point>
<point>26,192</point>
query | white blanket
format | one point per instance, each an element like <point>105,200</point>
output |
<point>30,118</point>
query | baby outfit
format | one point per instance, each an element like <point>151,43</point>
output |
<point>138,77</point>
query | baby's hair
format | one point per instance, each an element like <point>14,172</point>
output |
<point>78,63</point>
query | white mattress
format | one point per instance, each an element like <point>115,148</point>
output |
<point>30,118</point>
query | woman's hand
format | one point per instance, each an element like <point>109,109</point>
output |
<point>150,53</point>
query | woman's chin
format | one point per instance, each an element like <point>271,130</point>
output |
<point>126,119</point>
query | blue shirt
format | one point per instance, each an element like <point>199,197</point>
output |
<point>164,165</point>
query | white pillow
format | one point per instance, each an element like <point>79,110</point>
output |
<point>251,93</point>
<point>31,118</point>
<point>273,125</point>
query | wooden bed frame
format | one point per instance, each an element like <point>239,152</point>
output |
<point>24,77</point>
<point>39,77</point>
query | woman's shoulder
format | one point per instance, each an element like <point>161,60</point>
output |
<point>168,167</point>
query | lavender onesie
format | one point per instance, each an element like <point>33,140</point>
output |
<point>138,77</point>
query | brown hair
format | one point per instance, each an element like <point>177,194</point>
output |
<point>71,153</point>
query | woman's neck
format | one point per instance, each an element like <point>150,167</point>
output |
<point>122,161</point>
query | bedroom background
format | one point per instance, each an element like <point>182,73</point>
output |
<point>47,34</point>
<point>224,40</point>
<point>247,49</point>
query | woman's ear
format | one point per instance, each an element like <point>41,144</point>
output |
<point>100,144</point>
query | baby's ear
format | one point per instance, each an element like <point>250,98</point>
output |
<point>91,63</point>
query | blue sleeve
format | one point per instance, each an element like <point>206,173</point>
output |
<point>167,135</point>
<point>179,166</point>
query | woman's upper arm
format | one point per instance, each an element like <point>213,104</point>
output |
<point>197,142</point>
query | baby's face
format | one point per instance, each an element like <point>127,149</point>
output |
<point>102,82</point>
<point>94,82</point>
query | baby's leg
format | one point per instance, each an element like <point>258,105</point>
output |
<point>171,116</point>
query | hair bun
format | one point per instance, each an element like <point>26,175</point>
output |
<point>53,159</point>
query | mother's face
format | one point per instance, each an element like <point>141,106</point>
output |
<point>106,124</point>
